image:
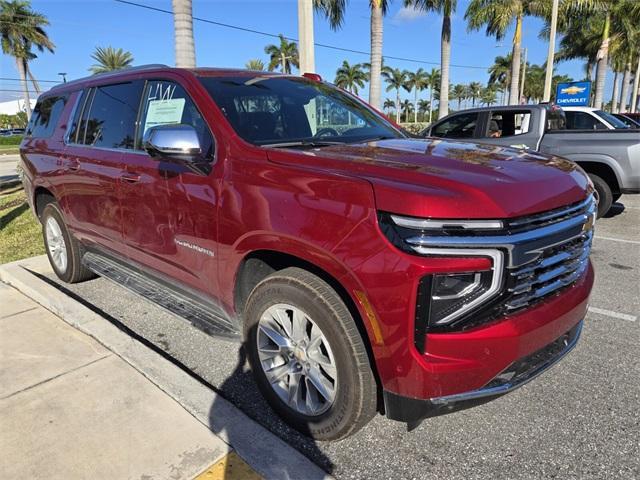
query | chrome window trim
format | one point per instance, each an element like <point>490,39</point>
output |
<point>76,105</point>
<point>419,223</point>
<point>496,278</point>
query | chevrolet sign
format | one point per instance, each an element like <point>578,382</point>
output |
<point>573,94</point>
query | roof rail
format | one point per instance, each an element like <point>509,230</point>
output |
<point>137,68</point>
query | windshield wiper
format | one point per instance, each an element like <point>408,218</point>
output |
<point>302,143</point>
<point>375,139</point>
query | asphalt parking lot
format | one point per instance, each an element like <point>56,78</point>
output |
<point>579,420</point>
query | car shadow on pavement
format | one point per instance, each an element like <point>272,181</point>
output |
<point>616,209</point>
<point>240,388</point>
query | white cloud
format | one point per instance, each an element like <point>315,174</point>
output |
<point>408,14</point>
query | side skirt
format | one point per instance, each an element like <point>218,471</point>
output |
<point>204,317</point>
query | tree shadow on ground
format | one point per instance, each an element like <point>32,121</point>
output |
<point>7,218</point>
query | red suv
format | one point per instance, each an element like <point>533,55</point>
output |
<point>364,271</point>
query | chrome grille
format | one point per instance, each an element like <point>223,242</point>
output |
<point>550,217</point>
<point>556,268</point>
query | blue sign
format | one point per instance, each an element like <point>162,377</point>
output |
<point>574,94</point>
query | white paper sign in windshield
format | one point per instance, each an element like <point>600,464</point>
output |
<point>164,112</point>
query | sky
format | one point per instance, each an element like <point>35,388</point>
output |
<point>78,26</point>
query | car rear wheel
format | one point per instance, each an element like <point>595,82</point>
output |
<point>307,355</point>
<point>605,196</point>
<point>64,251</point>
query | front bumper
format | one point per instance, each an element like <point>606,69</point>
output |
<point>520,372</point>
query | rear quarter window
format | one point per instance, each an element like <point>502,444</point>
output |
<point>45,116</point>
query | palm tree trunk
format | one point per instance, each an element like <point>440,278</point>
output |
<point>305,34</point>
<point>398,112</point>
<point>183,30</point>
<point>624,94</point>
<point>515,64</point>
<point>601,70</point>
<point>376,54</point>
<point>445,58</point>
<point>415,106</point>
<point>614,95</point>
<point>36,85</point>
<point>430,101</point>
<point>634,91</point>
<point>283,62</point>
<point>21,64</point>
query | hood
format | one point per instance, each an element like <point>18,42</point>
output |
<point>449,179</point>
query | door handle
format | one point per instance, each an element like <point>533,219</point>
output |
<point>130,177</point>
<point>73,165</point>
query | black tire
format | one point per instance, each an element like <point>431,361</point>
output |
<point>605,196</point>
<point>74,271</point>
<point>355,399</point>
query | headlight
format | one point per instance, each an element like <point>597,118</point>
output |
<point>445,298</point>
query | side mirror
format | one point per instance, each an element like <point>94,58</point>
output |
<point>176,142</point>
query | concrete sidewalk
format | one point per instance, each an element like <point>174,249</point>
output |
<point>81,398</point>
<point>70,408</point>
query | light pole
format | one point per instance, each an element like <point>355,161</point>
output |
<point>64,76</point>
<point>551,54</point>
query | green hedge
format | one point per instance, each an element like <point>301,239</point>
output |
<point>12,140</point>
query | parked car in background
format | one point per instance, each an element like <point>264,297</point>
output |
<point>587,118</point>
<point>610,157</point>
<point>627,120</point>
<point>17,131</point>
<point>364,271</point>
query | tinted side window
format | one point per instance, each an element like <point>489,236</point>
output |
<point>509,124</point>
<point>167,103</point>
<point>110,120</point>
<point>45,116</point>
<point>459,126</point>
<point>582,121</point>
<point>75,121</point>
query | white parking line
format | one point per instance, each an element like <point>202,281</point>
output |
<point>609,313</point>
<point>635,242</point>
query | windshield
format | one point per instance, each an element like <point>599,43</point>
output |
<point>607,117</point>
<point>289,111</point>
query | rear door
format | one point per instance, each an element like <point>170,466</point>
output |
<point>103,128</point>
<point>169,211</point>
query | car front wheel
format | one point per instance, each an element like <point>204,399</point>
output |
<point>307,355</point>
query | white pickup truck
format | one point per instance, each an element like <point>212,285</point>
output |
<point>610,157</point>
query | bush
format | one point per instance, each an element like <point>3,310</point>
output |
<point>414,128</point>
<point>11,140</point>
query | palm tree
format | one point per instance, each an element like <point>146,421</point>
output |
<point>459,92</point>
<point>255,64</point>
<point>497,16</point>
<point>433,80</point>
<point>110,59</point>
<point>474,90</point>
<point>396,80</point>
<point>388,105</point>
<point>423,107</point>
<point>335,10</point>
<point>417,81</point>
<point>446,8</point>
<point>500,73</point>
<point>21,29</point>
<point>407,108</point>
<point>350,77</point>
<point>183,31</point>
<point>283,55</point>
<point>488,95</point>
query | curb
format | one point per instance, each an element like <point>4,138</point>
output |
<point>266,453</point>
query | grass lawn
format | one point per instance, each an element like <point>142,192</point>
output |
<point>20,232</point>
<point>9,149</point>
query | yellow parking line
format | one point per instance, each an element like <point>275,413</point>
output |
<point>230,467</point>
